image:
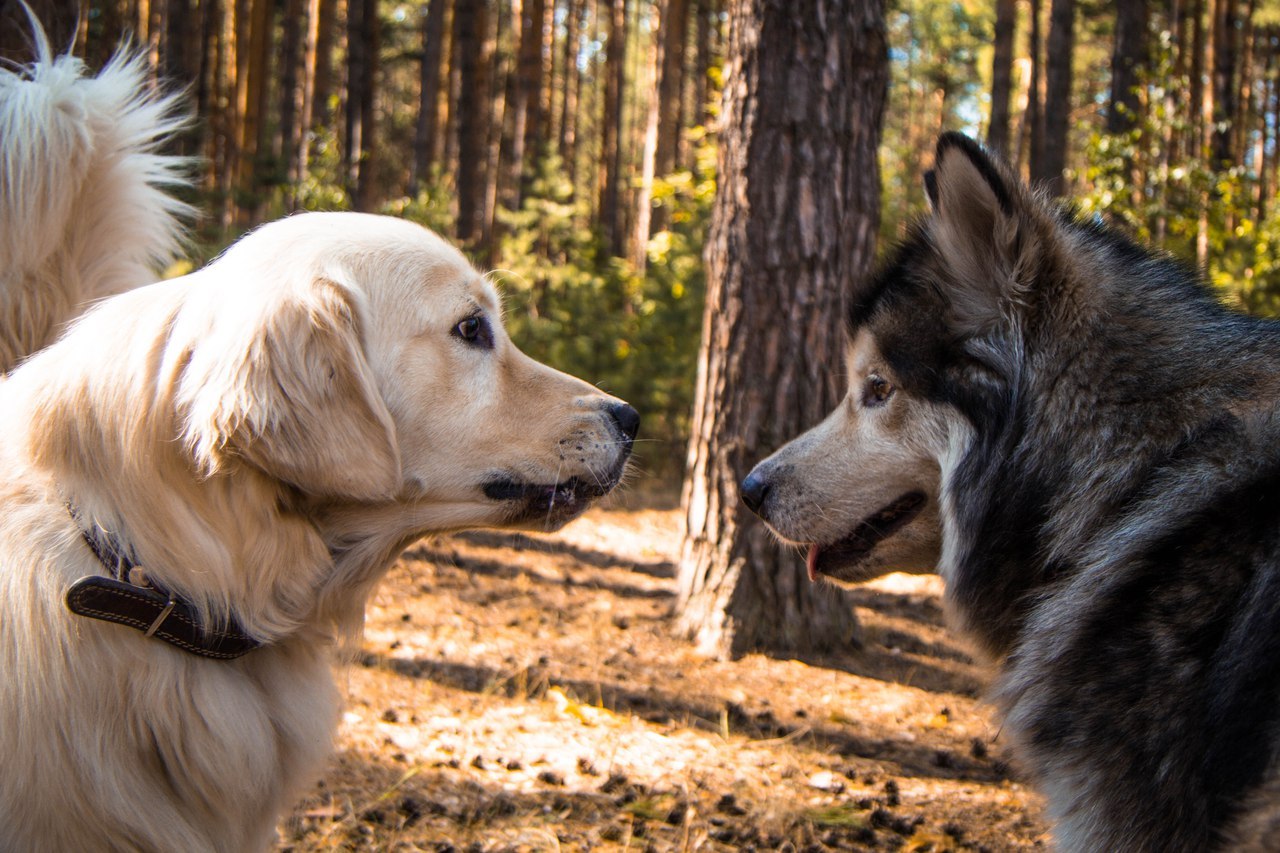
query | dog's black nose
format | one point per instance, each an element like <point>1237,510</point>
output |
<point>627,419</point>
<point>754,489</point>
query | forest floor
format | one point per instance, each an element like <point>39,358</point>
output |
<point>526,693</point>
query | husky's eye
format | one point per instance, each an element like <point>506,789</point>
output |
<point>877,391</point>
<point>475,331</point>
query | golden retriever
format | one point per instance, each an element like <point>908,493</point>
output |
<point>250,446</point>
<point>84,207</point>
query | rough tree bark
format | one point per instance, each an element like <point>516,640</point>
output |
<point>794,221</point>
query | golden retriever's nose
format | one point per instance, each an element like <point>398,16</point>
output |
<point>627,419</point>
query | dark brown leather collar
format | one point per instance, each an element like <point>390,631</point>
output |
<point>147,607</point>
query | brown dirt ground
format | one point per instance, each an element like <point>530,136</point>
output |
<point>525,693</point>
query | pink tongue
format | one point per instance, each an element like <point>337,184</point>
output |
<point>812,562</point>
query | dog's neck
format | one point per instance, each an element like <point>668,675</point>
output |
<point>108,435</point>
<point>127,595</point>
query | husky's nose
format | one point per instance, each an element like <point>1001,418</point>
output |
<point>754,490</point>
<point>627,419</point>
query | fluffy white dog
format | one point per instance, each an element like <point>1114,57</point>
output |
<point>202,481</point>
<point>84,211</point>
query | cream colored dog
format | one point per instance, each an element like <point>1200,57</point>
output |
<point>232,460</point>
<point>85,210</point>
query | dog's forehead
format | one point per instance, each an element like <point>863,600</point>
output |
<point>481,290</point>
<point>861,352</point>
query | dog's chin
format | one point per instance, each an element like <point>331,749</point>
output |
<point>548,507</point>
<point>852,558</point>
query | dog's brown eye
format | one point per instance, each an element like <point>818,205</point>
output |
<point>877,391</point>
<point>475,331</point>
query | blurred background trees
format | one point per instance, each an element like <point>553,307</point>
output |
<point>572,145</point>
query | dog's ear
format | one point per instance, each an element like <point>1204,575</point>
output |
<point>977,227</point>
<point>298,401</point>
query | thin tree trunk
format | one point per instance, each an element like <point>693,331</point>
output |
<point>1057,102</point>
<point>524,94</point>
<point>702,61</point>
<point>674,32</point>
<point>1171,140</point>
<point>371,35</point>
<point>470,23</point>
<point>1204,144</point>
<point>1036,98</point>
<point>1002,76</point>
<point>1224,91</point>
<point>1244,116</point>
<point>251,80</point>
<point>1194,139</point>
<point>1128,59</point>
<point>794,221</point>
<point>648,157</point>
<point>498,121</point>
<point>326,27</point>
<point>610,212</point>
<point>286,139</point>
<point>534,74</point>
<point>567,142</point>
<point>428,125</point>
<point>234,64</point>
<point>1267,136</point>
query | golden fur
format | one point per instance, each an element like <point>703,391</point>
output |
<point>264,436</point>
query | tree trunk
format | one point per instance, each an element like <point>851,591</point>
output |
<point>610,208</point>
<point>428,125</point>
<point>533,75</point>
<point>706,27</point>
<point>567,142</point>
<point>1002,76</point>
<point>795,220</point>
<point>675,32</point>
<point>497,105</point>
<point>59,19</point>
<point>285,142</point>
<point>1245,115</point>
<point>1172,143</point>
<point>1194,139</point>
<point>1035,100</point>
<point>649,147</point>
<point>1224,90</point>
<point>1128,59</point>
<point>1267,136</point>
<point>1203,153</point>
<point>1057,102</point>
<point>524,99</point>
<point>470,23</point>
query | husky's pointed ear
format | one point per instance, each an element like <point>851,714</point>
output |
<point>297,400</point>
<point>975,226</point>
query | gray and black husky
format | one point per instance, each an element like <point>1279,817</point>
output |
<point>1085,443</point>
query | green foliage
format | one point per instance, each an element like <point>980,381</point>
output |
<point>431,207</point>
<point>323,188</point>
<point>939,54</point>
<point>633,334</point>
<point>1141,182</point>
